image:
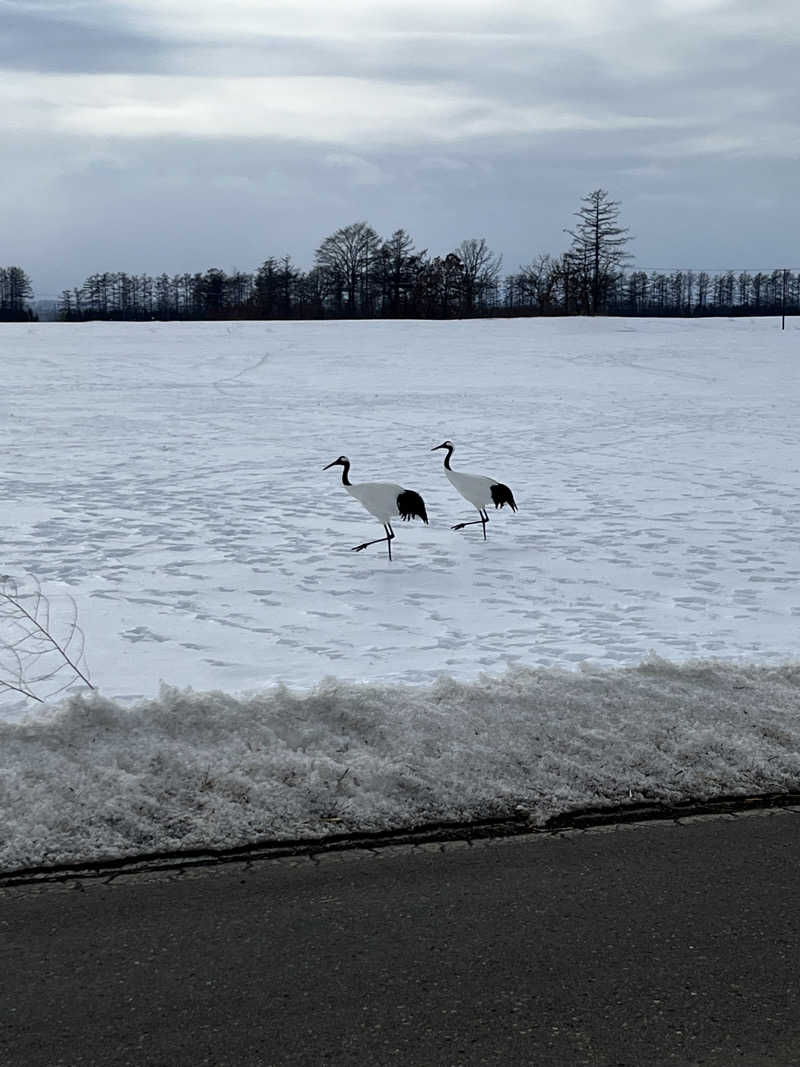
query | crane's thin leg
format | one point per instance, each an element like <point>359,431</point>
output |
<point>484,518</point>
<point>390,535</point>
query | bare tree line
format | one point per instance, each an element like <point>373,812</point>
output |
<point>547,286</point>
<point>358,274</point>
<point>550,287</point>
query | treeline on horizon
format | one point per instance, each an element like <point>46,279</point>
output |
<point>358,274</point>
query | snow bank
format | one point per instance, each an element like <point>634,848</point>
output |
<point>92,778</point>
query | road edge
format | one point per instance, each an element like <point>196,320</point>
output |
<point>516,823</point>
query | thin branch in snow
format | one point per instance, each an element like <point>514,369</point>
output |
<point>40,655</point>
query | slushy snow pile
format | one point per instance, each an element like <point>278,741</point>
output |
<point>629,634</point>
<point>209,769</point>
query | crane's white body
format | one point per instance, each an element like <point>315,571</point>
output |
<point>379,498</point>
<point>384,500</point>
<point>476,488</point>
<point>479,489</point>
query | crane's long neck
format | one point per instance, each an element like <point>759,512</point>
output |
<point>447,466</point>
<point>346,472</point>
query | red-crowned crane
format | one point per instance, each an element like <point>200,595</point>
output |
<point>383,500</point>
<point>478,489</point>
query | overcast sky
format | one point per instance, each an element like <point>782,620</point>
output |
<point>176,135</point>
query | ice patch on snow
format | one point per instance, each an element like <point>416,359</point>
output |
<point>92,778</point>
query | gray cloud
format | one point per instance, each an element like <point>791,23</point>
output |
<point>457,121</point>
<point>188,206</point>
<point>62,38</point>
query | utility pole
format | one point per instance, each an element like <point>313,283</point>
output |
<point>783,300</point>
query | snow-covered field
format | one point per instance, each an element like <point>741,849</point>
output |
<point>168,478</point>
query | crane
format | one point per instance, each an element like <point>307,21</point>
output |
<point>383,500</point>
<point>478,489</point>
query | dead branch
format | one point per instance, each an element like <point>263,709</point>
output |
<point>41,654</point>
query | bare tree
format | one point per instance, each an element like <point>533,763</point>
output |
<point>598,242</point>
<point>15,291</point>
<point>400,264</point>
<point>703,282</point>
<point>65,305</point>
<point>480,269</point>
<point>350,255</point>
<point>677,289</point>
<point>535,284</point>
<point>638,288</point>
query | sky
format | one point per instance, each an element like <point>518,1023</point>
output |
<point>177,135</point>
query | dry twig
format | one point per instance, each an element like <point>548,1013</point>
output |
<point>40,655</point>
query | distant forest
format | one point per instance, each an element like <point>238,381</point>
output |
<point>358,274</point>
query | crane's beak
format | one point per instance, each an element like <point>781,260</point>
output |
<point>435,447</point>
<point>331,465</point>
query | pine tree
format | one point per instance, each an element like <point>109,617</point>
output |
<point>598,245</point>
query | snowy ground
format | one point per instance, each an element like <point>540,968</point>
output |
<point>167,477</point>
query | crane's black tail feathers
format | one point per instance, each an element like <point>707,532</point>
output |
<point>501,495</point>
<point>411,506</point>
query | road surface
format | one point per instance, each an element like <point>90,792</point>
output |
<point>634,946</point>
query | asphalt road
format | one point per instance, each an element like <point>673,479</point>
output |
<point>659,943</point>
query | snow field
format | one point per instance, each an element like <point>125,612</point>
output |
<point>168,478</point>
